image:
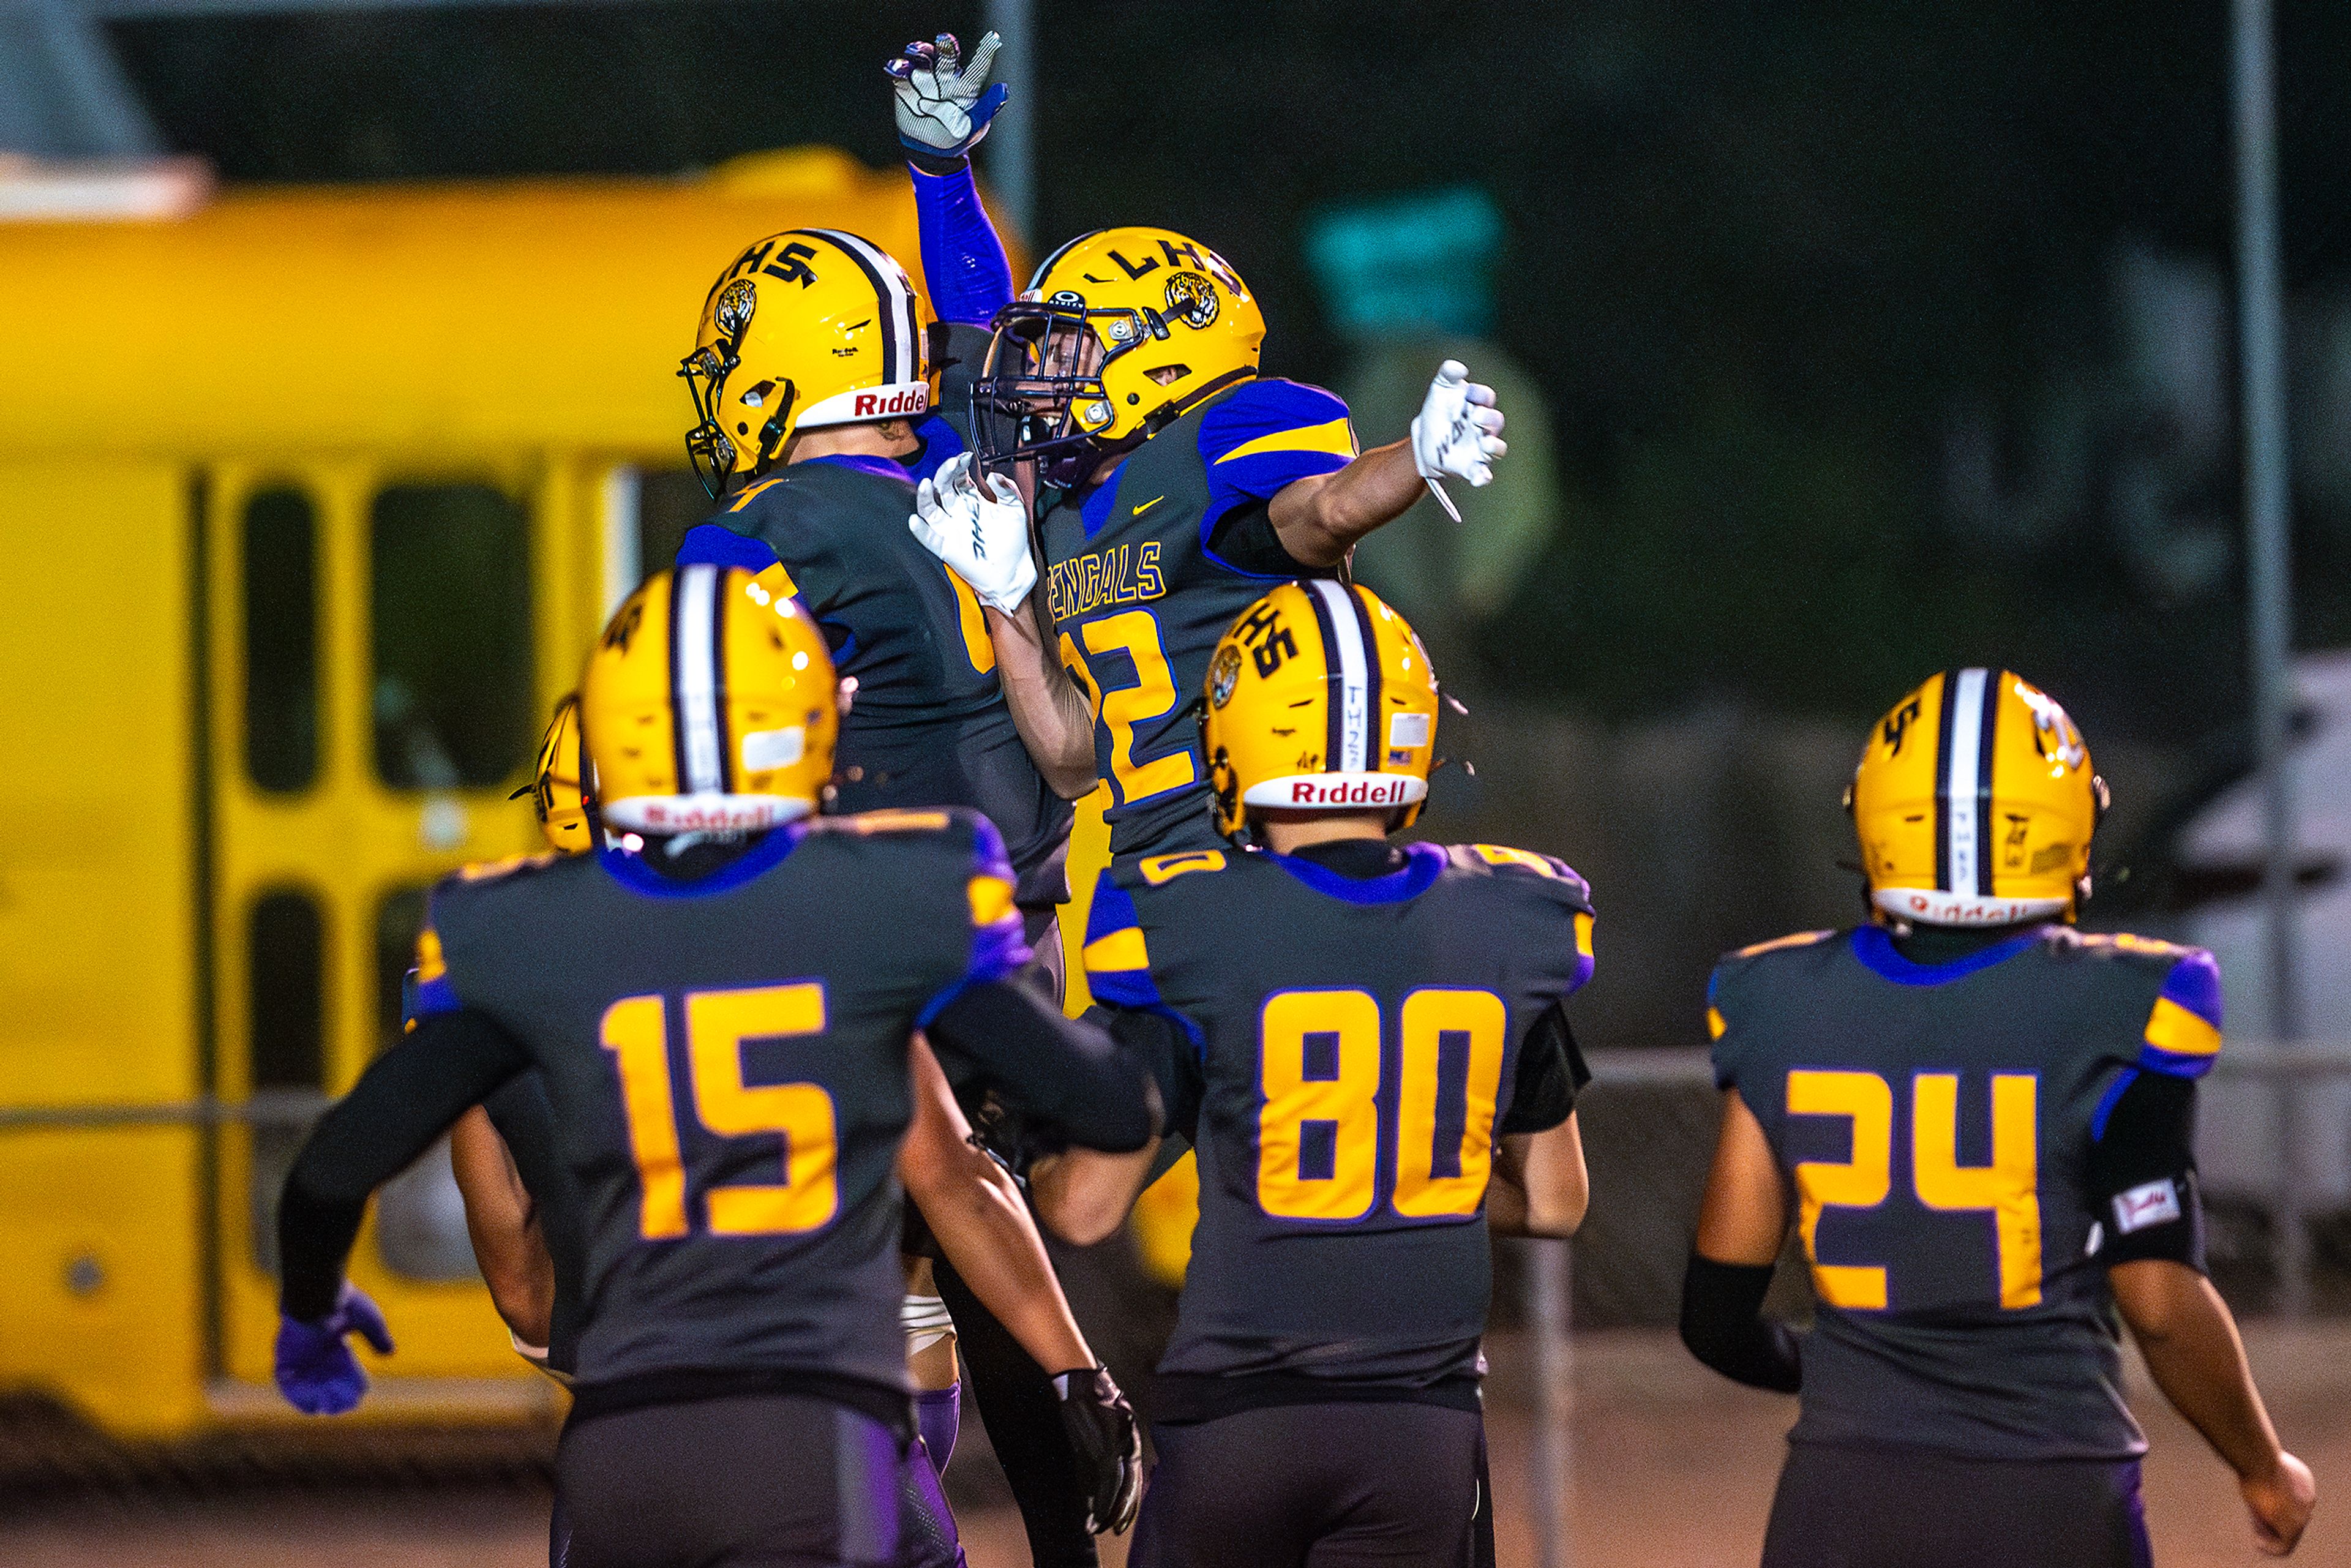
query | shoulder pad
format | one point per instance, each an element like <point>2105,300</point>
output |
<point>1158,871</point>
<point>505,866</point>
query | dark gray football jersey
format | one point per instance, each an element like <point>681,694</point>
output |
<point>1140,595</point>
<point>928,726</point>
<point>1936,1124</point>
<point>727,1065</point>
<point>1353,1052</point>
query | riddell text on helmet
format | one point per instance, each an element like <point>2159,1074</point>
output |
<point>909,400</point>
<point>1362,792</point>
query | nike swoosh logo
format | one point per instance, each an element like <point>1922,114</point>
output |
<point>1148,505</point>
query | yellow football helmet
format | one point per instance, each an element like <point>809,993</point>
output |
<point>708,705</point>
<point>1120,330</point>
<point>1320,698</point>
<point>1975,802</point>
<point>554,790</point>
<point>808,327</point>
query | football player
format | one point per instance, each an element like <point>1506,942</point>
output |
<point>522,1217</point>
<point>1367,1043</point>
<point>1984,1116</point>
<point>1172,483</point>
<point>809,375</point>
<point>724,1016</point>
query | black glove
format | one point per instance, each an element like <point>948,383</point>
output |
<point>1108,1444</point>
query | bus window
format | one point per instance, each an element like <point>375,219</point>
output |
<point>281,640</point>
<point>286,1039</point>
<point>669,502</point>
<point>420,1218</point>
<point>450,578</point>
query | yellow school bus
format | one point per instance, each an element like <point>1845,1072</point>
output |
<point>310,502</point>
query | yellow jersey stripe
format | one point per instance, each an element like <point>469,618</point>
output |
<point>778,582</point>
<point>744,499</point>
<point>1583,934</point>
<point>1122,950</point>
<point>1337,437</point>
<point>2175,1029</point>
<point>430,963</point>
<point>1716,1027</point>
<point>1800,939</point>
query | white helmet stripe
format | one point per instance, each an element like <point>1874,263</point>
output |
<point>1354,652</point>
<point>1960,783</point>
<point>694,679</point>
<point>902,358</point>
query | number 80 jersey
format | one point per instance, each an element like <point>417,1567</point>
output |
<point>1936,1123</point>
<point>1344,1055</point>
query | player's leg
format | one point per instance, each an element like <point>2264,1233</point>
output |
<point>929,1538</point>
<point>744,1481</point>
<point>1023,1419</point>
<point>1332,1486</point>
<point>1840,1505</point>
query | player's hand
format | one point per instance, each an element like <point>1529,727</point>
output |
<point>945,105</point>
<point>1458,432</point>
<point>316,1370</point>
<point>984,538</point>
<point>1109,1446</point>
<point>2280,1502</point>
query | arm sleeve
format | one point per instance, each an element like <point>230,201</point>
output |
<point>2142,1172</point>
<point>1064,1072</point>
<point>1550,1073</point>
<point>2183,1030</point>
<point>963,265</point>
<point>1163,1046</point>
<point>448,1061</point>
<point>1724,1326</point>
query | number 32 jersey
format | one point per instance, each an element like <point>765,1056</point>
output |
<point>1143,572</point>
<point>1344,1055</point>
<point>727,1065</point>
<point>1936,1123</point>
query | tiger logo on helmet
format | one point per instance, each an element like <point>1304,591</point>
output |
<point>1120,332</point>
<point>806,328</point>
<point>1320,698</point>
<point>709,705</point>
<point>1975,802</point>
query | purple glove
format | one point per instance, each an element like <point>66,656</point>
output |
<point>316,1370</point>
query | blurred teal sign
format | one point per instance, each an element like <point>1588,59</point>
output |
<point>1422,262</point>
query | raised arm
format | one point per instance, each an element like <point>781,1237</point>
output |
<point>944,106</point>
<point>1457,434</point>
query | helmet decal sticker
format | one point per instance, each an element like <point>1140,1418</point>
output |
<point>1192,296</point>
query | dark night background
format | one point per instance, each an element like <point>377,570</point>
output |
<point>1761,257</point>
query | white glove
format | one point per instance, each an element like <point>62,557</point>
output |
<point>944,105</point>
<point>1458,432</point>
<point>983,538</point>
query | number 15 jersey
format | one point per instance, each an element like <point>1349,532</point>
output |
<point>1344,1053</point>
<point>1937,1124</point>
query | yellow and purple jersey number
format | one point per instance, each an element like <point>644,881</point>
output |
<point>1119,709</point>
<point>1324,1111</point>
<point>2007,1187</point>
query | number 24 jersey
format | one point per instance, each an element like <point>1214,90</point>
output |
<point>1936,1124</point>
<point>1346,1054</point>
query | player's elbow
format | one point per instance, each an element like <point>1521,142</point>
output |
<point>1083,1197</point>
<point>2158,1298</point>
<point>1070,780</point>
<point>1557,1215</point>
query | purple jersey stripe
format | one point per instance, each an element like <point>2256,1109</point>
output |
<point>2194,983</point>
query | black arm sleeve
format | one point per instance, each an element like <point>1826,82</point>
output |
<point>2142,1172</point>
<point>1245,537</point>
<point>1724,1326</point>
<point>1167,1053</point>
<point>408,1098</point>
<point>1551,1074</point>
<point>1063,1073</point>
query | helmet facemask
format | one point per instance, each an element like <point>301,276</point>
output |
<point>709,448</point>
<point>1040,397</point>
